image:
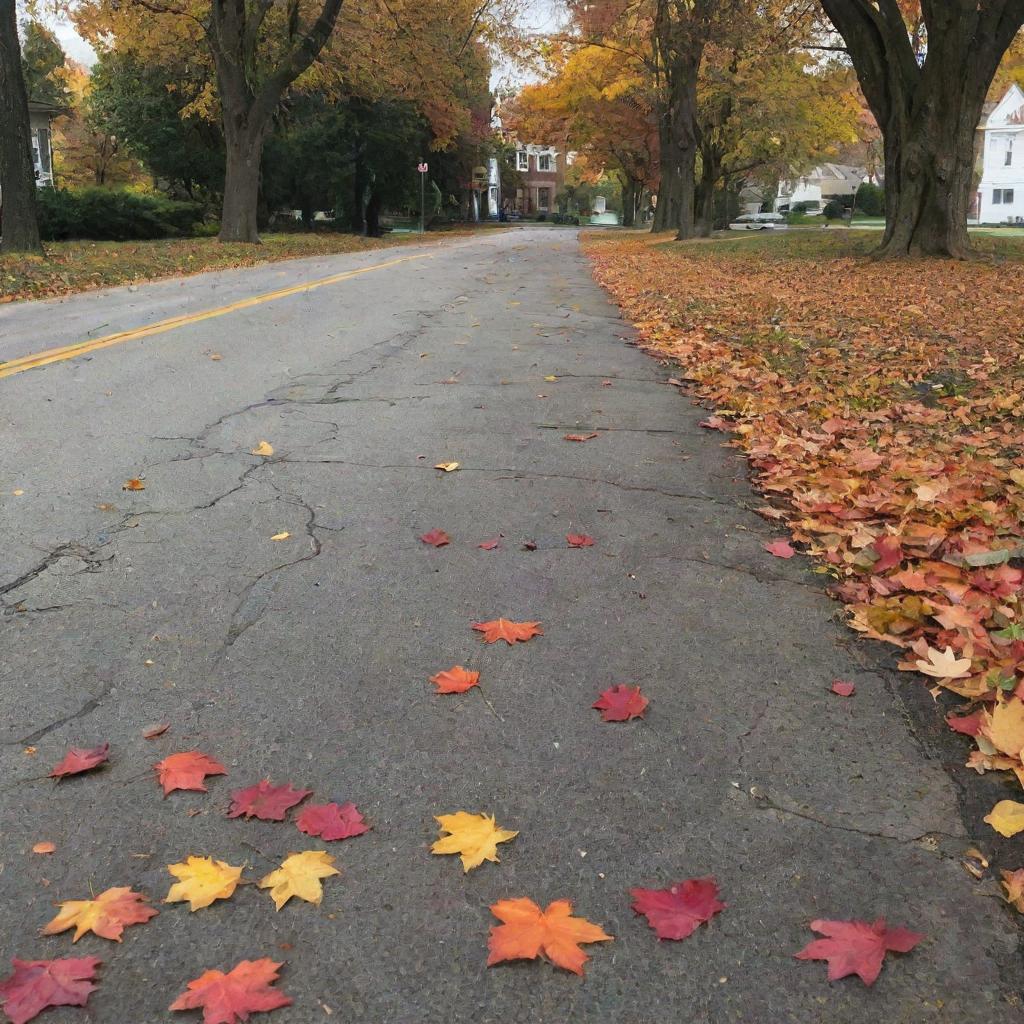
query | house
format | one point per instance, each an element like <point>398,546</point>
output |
<point>542,174</point>
<point>818,187</point>
<point>1000,196</point>
<point>39,117</point>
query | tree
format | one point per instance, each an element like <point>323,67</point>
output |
<point>925,67</point>
<point>19,225</point>
<point>43,60</point>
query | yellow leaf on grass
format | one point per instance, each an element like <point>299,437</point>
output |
<point>1007,817</point>
<point>448,467</point>
<point>944,664</point>
<point>201,881</point>
<point>264,448</point>
<point>283,535</point>
<point>107,915</point>
<point>299,875</point>
<point>474,836</point>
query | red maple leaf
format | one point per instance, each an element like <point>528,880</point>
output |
<point>489,545</point>
<point>579,540</point>
<point>510,632</point>
<point>455,680</point>
<point>780,548</point>
<point>266,802</point>
<point>78,759</point>
<point>843,688</point>
<point>967,724</point>
<point>676,912</point>
<point>329,821</point>
<point>889,551</point>
<point>187,771</point>
<point>621,703</point>
<point>37,984</point>
<point>438,538</point>
<point>228,998</point>
<point>856,947</point>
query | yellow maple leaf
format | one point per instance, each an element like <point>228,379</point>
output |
<point>448,467</point>
<point>1007,817</point>
<point>474,836</point>
<point>944,664</point>
<point>107,915</point>
<point>201,881</point>
<point>299,875</point>
<point>1003,726</point>
<point>1013,883</point>
<point>264,448</point>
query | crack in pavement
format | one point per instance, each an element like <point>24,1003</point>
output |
<point>86,709</point>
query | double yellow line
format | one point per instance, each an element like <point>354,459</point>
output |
<point>56,355</point>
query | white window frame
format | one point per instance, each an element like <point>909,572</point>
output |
<point>522,160</point>
<point>545,158</point>
<point>1008,158</point>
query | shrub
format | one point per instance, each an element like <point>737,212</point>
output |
<point>833,210</point>
<point>871,200</point>
<point>565,218</point>
<point>112,215</point>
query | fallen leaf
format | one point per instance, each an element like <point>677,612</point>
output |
<point>843,688</point>
<point>779,548</point>
<point>579,540</point>
<point>330,822</point>
<point>580,437</point>
<point>1003,726</point>
<point>678,911</point>
<point>856,947</point>
<point>715,423</point>
<point>530,545</point>
<point>550,377</point>
<point>448,467</point>
<point>201,880</point>
<point>474,837</point>
<point>156,729</point>
<point>1007,817</point>
<point>18,492</point>
<point>44,847</point>
<point>969,725</point>
<point>106,916</point>
<point>78,760</point>
<point>106,506</point>
<point>266,802</point>
<point>1013,883</point>
<point>527,932</point>
<point>455,680</point>
<point>606,383</point>
<point>436,538</point>
<point>944,664</point>
<point>230,998</point>
<point>510,632</point>
<point>283,535</point>
<point>621,703</point>
<point>135,484</point>
<point>187,771</point>
<point>216,357</point>
<point>36,984</point>
<point>489,545</point>
<point>264,448</point>
<point>299,875</point>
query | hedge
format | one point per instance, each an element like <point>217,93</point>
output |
<point>112,215</point>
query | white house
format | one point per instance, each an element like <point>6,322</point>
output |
<point>1001,190</point>
<point>818,186</point>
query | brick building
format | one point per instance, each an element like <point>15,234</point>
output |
<point>542,172</point>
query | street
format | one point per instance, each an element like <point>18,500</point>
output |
<point>307,659</point>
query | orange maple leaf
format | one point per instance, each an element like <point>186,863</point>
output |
<point>227,998</point>
<point>187,771</point>
<point>455,680</point>
<point>510,632</point>
<point>527,932</point>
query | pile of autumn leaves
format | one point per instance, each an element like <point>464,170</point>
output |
<point>526,931</point>
<point>881,411</point>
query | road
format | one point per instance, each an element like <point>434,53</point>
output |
<point>307,660</point>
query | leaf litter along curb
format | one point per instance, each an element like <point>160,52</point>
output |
<point>888,441</point>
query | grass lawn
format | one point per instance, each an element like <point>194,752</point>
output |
<point>880,406</point>
<point>78,266</point>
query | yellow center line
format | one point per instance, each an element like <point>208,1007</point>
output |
<point>56,355</point>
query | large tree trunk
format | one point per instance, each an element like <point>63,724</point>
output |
<point>710,173</point>
<point>683,142</point>
<point>19,226</point>
<point>244,150</point>
<point>628,202</point>
<point>928,112</point>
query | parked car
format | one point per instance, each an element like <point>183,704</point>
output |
<point>759,222</point>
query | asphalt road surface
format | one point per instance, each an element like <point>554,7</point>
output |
<point>307,660</point>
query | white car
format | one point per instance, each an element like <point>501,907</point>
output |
<point>759,222</point>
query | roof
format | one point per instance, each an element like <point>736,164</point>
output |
<point>40,107</point>
<point>1008,112</point>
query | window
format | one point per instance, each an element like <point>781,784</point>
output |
<point>543,198</point>
<point>1002,195</point>
<point>522,160</point>
<point>544,162</point>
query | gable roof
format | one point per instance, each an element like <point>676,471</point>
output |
<point>1009,111</point>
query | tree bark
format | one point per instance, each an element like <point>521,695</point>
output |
<point>20,225</point>
<point>710,173</point>
<point>628,202</point>
<point>239,220</point>
<point>928,112</point>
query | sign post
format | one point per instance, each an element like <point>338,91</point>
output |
<point>422,168</point>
